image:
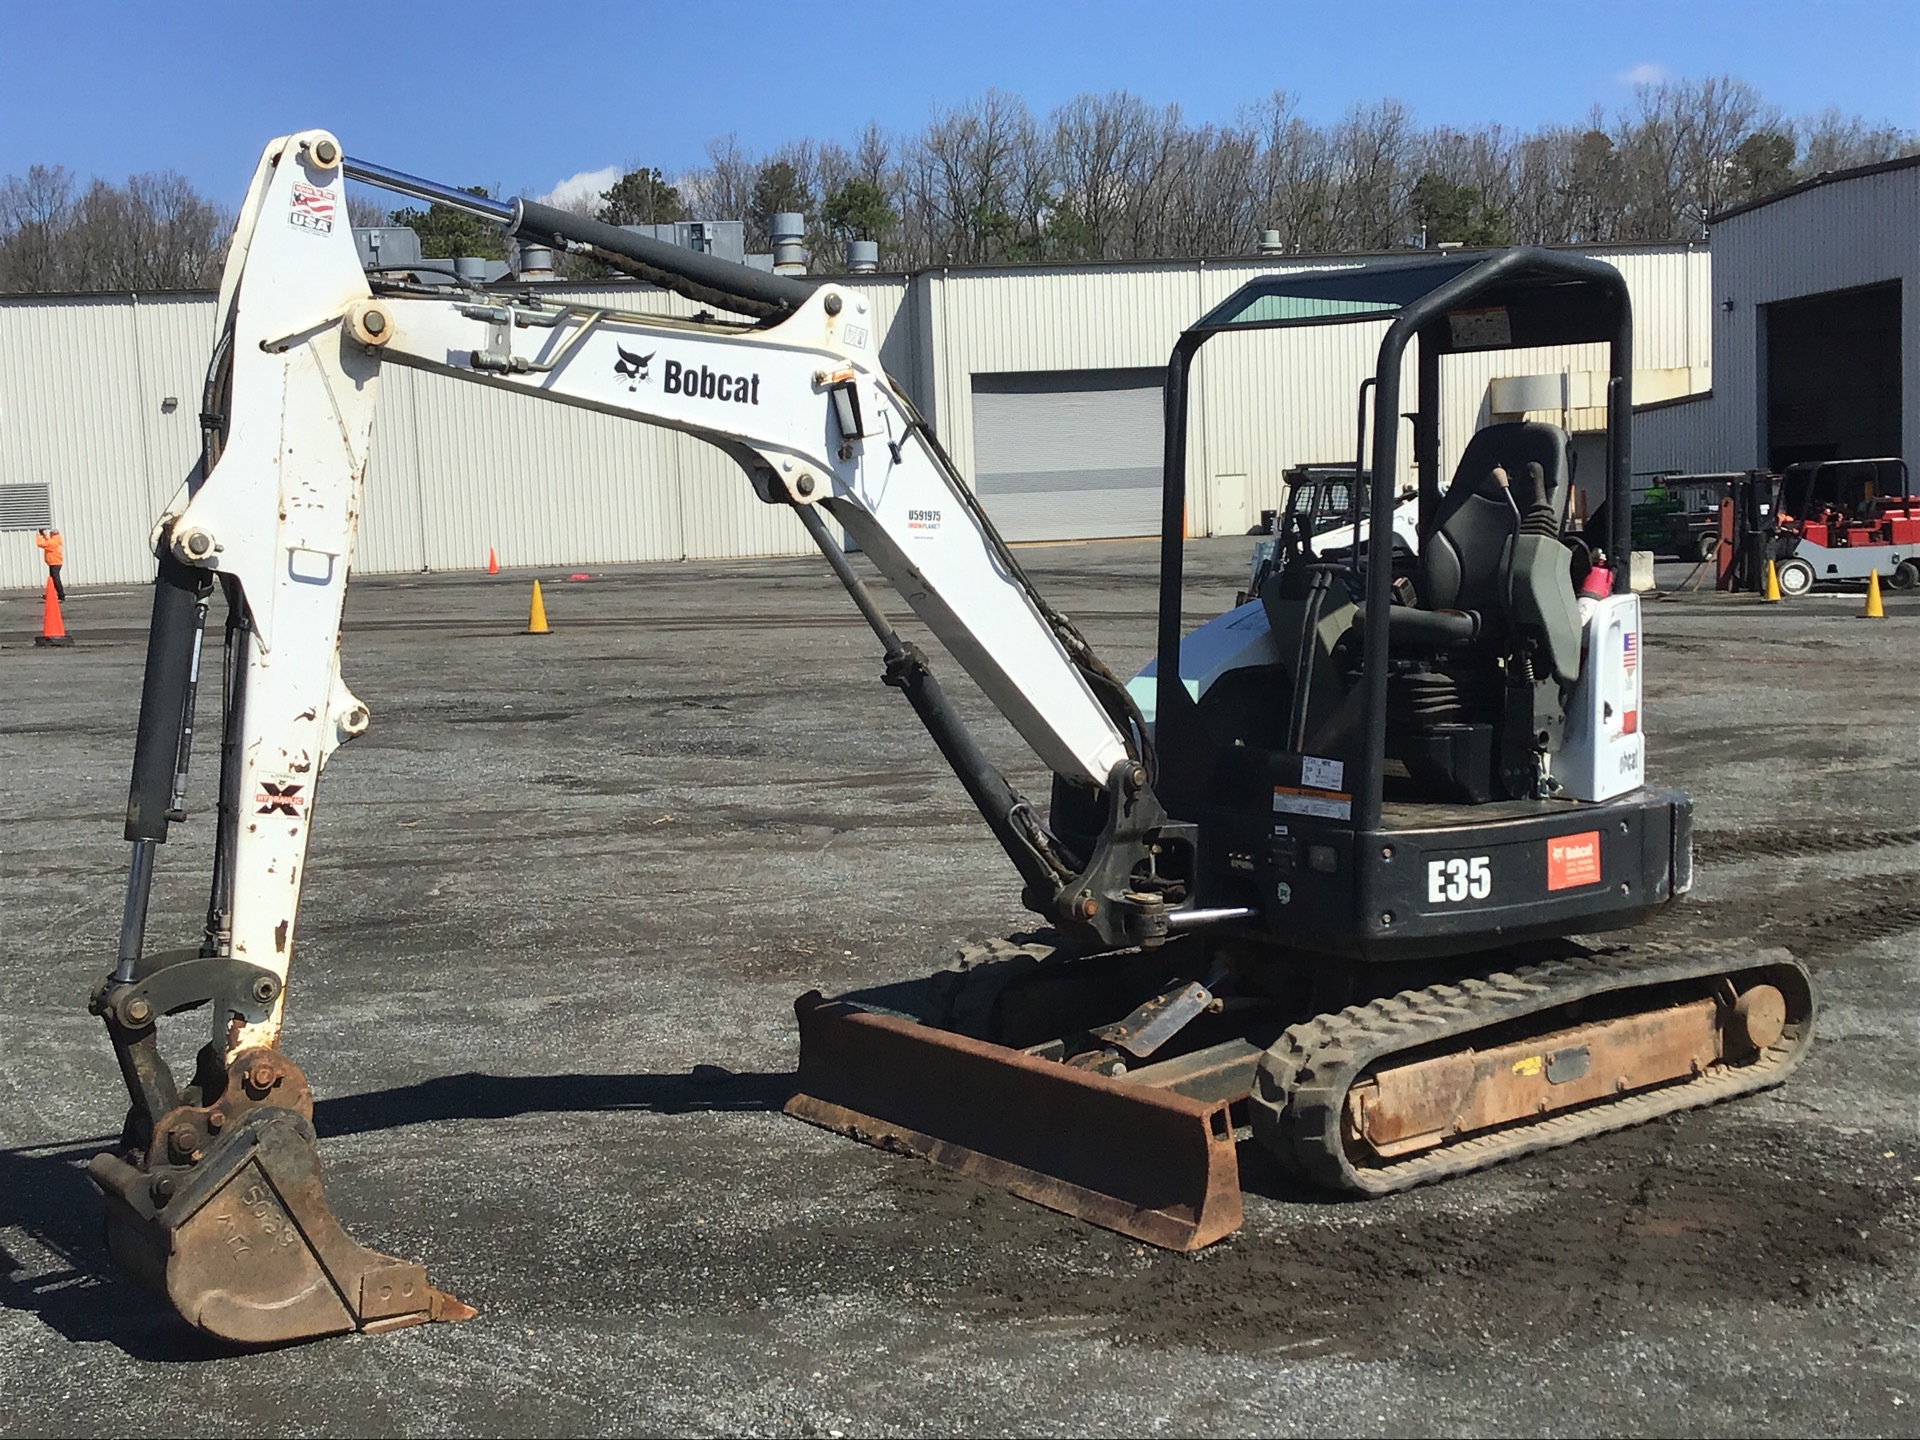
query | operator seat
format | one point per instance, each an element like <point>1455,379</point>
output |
<point>1495,584</point>
<point>1465,562</point>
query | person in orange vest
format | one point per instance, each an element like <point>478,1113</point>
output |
<point>54,551</point>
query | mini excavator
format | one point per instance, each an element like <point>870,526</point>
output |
<point>1334,875</point>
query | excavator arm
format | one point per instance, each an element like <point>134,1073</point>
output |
<point>214,1195</point>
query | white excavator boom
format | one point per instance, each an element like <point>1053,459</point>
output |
<point>222,1172</point>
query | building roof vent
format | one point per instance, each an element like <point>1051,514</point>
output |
<point>789,234</point>
<point>1270,242</point>
<point>535,262</point>
<point>863,256</point>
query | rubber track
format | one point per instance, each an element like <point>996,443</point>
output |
<point>1299,1097</point>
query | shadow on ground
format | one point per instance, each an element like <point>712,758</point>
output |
<point>53,1256</point>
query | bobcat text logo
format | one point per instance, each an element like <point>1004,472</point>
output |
<point>632,367</point>
<point>279,799</point>
<point>685,380</point>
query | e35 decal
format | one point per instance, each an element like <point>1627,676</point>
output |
<point>1461,878</point>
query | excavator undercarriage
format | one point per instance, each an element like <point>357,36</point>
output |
<point>1012,1070</point>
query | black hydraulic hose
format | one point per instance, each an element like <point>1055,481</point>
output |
<point>1359,469</point>
<point>239,649</point>
<point>213,403</point>
<point>704,278</point>
<point>1003,807</point>
<point>1297,710</point>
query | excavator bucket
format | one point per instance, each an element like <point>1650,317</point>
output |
<point>1152,1164</point>
<point>239,1238</point>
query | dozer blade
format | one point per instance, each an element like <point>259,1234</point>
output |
<point>240,1239</point>
<point>1151,1164</point>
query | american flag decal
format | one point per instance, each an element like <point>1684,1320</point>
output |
<point>1631,655</point>
<point>312,208</point>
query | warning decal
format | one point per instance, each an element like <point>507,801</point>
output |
<point>1573,860</point>
<point>1319,774</point>
<point>284,796</point>
<point>1480,329</point>
<point>1324,804</point>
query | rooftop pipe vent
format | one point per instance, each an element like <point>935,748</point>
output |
<point>789,234</point>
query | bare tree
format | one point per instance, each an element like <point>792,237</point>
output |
<point>1678,144</point>
<point>965,178</point>
<point>1294,178</point>
<point>155,233</point>
<point>721,189</point>
<point>1106,177</point>
<point>367,213</point>
<point>34,215</point>
<point>181,238</point>
<point>1833,141</point>
<point>1372,149</point>
<point>1102,147</point>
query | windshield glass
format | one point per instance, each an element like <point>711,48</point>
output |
<point>1353,292</point>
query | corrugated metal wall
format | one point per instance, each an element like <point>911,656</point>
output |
<point>1685,435</point>
<point>84,386</point>
<point>459,468</point>
<point>1862,231</point>
<point>456,468</point>
<point>1265,401</point>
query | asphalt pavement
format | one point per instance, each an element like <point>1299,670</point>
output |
<point>562,896</point>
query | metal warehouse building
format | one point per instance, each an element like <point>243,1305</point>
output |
<point>1044,383</point>
<point>1816,327</point>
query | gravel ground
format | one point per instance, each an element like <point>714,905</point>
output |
<point>564,892</point>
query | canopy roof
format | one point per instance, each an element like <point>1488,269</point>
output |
<point>1495,299</point>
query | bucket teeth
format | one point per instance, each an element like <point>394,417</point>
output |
<point>243,1244</point>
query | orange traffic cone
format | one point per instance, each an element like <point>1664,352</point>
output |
<point>53,630</point>
<point>537,616</point>
<point>493,565</point>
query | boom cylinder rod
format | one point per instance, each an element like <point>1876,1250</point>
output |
<point>856,588</point>
<point>133,916</point>
<point>998,802</point>
<point>432,191</point>
<point>701,277</point>
<point>166,698</point>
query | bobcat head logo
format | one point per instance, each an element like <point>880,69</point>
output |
<point>632,366</point>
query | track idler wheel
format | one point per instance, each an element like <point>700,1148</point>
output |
<point>225,1215</point>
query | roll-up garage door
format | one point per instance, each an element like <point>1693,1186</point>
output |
<point>1833,376</point>
<point>1069,454</point>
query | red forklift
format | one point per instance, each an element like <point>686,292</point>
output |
<point>1839,520</point>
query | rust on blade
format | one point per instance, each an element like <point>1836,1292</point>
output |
<point>1147,1162</point>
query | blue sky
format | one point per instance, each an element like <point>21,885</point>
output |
<point>472,93</point>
